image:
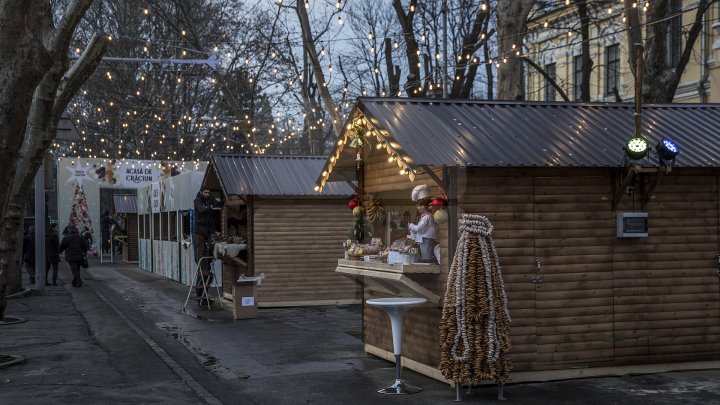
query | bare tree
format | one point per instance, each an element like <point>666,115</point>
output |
<point>413,85</point>
<point>475,34</point>
<point>312,53</point>
<point>50,97</point>
<point>511,26</point>
<point>662,74</point>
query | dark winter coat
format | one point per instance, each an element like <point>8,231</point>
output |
<point>106,223</point>
<point>52,247</point>
<point>29,248</point>
<point>204,217</point>
<point>74,246</point>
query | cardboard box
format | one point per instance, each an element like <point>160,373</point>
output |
<point>244,303</point>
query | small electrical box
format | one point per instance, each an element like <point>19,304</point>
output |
<point>632,224</point>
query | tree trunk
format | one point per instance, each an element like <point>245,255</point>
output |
<point>660,79</point>
<point>512,16</point>
<point>22,65</point>
<point>49,100</point>
<point>309,45</point>
<point>489,74</point>
<point>587,61</point>
<point>413,85</point>
<point>393,71</point>
<point>634,31</point>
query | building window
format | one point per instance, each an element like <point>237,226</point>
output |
<point>577,77</point>
<point>674,33</point>
<point>612,69</point>
<point>549,88</point>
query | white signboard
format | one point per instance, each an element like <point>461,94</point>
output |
<point>136,176</point>
<point>248,301</point>
<point>155,197</point>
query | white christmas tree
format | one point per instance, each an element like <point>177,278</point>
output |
<point>80,217</point>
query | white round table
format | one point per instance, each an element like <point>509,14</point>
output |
<point>395,308</point>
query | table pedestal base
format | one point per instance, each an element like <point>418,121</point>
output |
<point>400,388</point>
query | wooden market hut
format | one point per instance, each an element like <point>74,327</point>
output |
<point>126,204</point>
<point>551,179</point>
<point>164,226</point>
<point>295,234</point>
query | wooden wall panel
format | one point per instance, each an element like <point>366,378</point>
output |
<point>604,300</point>
<point>505,198</point>
<point>683,307</point>
<point>297,244</point>
<point>573,242</point>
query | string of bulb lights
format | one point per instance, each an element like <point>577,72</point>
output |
<point>345,89</point>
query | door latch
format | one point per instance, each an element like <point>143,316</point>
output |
<point>538,279</point>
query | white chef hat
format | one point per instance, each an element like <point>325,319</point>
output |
<point>420,192</point>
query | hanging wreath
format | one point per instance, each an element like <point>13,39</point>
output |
<point>375,210</point>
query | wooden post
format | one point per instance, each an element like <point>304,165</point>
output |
<point>638,88</point>
<point>251,235</point>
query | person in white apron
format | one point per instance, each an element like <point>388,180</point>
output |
<point>425,231</point>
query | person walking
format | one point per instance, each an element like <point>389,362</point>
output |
<point>75,247</point>
<point>106,223</point>
<point>205,207</point>
<point>52,254</point>
<point>28,255</point>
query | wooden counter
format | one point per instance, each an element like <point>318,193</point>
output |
<point>392,279</point>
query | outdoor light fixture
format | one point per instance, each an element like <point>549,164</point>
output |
<point>636,148</point>
<point>666,150</point>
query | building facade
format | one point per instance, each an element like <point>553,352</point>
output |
<point>555,45</point>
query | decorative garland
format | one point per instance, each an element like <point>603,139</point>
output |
<point>475,324</point>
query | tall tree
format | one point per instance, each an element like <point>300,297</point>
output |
<point>49,99</point>
<point>309,44</point>
<point>662,72</point>
<point>413,85</point>
<point>511,28</point>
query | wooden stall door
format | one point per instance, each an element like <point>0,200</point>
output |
<point>505,198</point>
<point>683,311</point>
<point>574,228</point>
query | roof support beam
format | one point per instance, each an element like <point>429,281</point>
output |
<point>620,192</point>
<point>651,190</point>
<point>440,182</point>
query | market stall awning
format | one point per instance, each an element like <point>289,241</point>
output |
<point>125,203</point>
<point>273,175</point>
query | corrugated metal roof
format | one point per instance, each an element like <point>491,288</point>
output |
<point>273,175</point>
<point>125,203</point>
<point>487,133</point>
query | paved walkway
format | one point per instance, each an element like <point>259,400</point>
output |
<point>122,338</point>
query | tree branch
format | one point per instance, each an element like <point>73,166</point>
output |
<point>78,73</point>
<point>548,78</point>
